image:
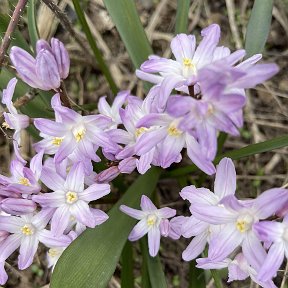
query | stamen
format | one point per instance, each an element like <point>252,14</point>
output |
<point>71,197</point>
<point>54,252</point>
<point>24,181</point>
<point>6,125</point>
<point>27,230</point>
<point>79,134</point>
<point>188,62</point>
<point>151,220</point>
<point>174,131</point>
<point>244,223</point>
<point>57,141</point>
<point>140,131</point>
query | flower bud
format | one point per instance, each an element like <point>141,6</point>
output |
<point>42,44</point>
<point>18,206</point>
<point>107,175</point>
<point>61,56</point>
<point>127,165</point>
<point>47,70</point>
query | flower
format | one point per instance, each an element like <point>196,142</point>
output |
<point>26,231</point>
<point>47,69</point>
<point>70,199</point>
<point>151,222</point>
<point>276,233</point>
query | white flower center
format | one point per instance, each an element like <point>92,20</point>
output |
<point>189,68</point>
<point>173,130</point>
<point>27,230</point>
<point>151,220</point>
<point>244,223</point>
<point>54,252</point>
<point>79,133</point>
<point>71,197</point>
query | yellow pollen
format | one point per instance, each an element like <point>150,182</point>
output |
<point>24,181</point>
<point>26,230</point>
<point>173,131</point>
<point>6,125</point>
<point>57,141</point>
<point>210,109</point>
<point>242,226</point>
<point>53,252</point>
<point>71,197</point>
<point>140,131</point>
<point>79,135</point>
<point>188,63</point>
<point>151,220</point>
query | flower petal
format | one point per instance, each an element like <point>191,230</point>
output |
<point>139,230</point>
<point>154,241</point>
<point>196,247</point>
<point>28,248</point>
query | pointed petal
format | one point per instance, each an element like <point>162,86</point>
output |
<point>134,213</point>
<point>81,211</point>
<point>147,205</point>
<point>139,230</point>
<point>60,220</point>
<point>95,192</point>
<point>75,178</point>
<point>195,248</point>
<point>183,46</point>
<point>154,241</point>
<point>47,238</point>
<point>28,248</point>
<point>9,245</point>
<point>50,127</point>
<point>166,212</point>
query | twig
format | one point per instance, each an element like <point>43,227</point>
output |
<point>67,25</point>
<point>11,28</point>
<point>231,16</point>
<point>64,96</point>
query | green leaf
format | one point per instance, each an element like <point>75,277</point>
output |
<point>32,26</point>
<point>246,151</point>
<point>258,26</point>
<point>182,16</point>
<point>91,259</point>
<point>37,107</point>
<point>17,37</point>
<point>154,266</point>
<point>95,49</point>
<point>196,276</point>
<point>127,276</point>
<point>128,24</point>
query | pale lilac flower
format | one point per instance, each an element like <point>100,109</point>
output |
<point>238,269</point>
<point>113,110</point>
<point>236,219</point>
<point>151,222</point>
<point>225,184</point>
<point>71,199</point>
<point>167,140</point>
<point>14,120</point>
<point>177,73</point>
<point>277,233</point>
<point>47,69</point>
<point>26,231</point>
<point>74,133</point>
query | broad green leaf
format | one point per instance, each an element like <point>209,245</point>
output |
<point>154,266</point>
<point>126,19</point>
<point>127,276</point>
<point>258,26</point>
<point>246,151</point>
<point>95,49</point>
<point>91,259</point>
<point>182,16</point>
<point>32,26</point>
<point>196,276</point>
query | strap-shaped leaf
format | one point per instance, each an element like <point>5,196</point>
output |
<point>258,26</point>
<point>91,260</point>
<point>126,19</point>
<point>246,151</point>
<point>182,16</point>
<point>32,26</point>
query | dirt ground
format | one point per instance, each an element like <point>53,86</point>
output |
<point>266,112</point>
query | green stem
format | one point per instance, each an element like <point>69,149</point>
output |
<point>182,16</point>
<point>94,47</point>
<point>217,278</point>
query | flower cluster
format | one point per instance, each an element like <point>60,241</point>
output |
<point>195,96</point>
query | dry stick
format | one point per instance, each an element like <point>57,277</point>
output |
<point>67,24</point>
<point>11,28</point>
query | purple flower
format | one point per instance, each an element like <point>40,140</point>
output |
<point>70,199</point>
<point>47,69</point>
<point>225,184</point>
<point>176,73</point>
<point>277,233</point>
<point>151,222</point>
<point>113,111</point>
<point>73,133</point>
<point>26,232</point>
<point>165,136</point>
<point>13,120</point>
